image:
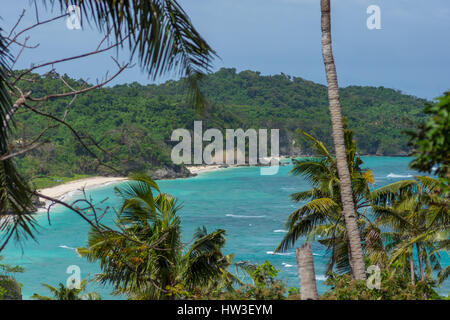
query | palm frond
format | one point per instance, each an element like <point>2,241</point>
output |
<point>444,274</point>
<point>318,145</point>
<point>312,169</point>
<point>303,220</point>
<point>162,36</point>
<point>204,257</point>
<point>429,184</point>
<point>15,194</point>
<point>308,194</point>
<point>403,185</point>
<point>389,192</point>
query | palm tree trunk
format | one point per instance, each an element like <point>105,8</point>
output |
<point>306,273</point>
<point>411,263</point>
<point>359,271</point>
<point>419,258</point>
<point>350,257</point>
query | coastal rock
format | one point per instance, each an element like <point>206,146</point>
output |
<point>170,173</point>
<point>401,153</point>
<point>37,203</point>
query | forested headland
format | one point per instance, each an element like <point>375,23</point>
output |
<point>129,126</point>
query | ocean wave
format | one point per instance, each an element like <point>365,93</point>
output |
<point>241,216</point>
<point>287,265</point>
<point>393,175</point>
<point>321,277</point>
<point>316,254</point>
<point>280,253</point>
<point>66,247</point>
<point>70,248</point>
<point>280,230</point>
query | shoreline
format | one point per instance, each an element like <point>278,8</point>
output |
<point>206,168</point>
<point>61,190</point>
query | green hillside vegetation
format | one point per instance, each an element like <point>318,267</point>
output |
<point>134,122</point>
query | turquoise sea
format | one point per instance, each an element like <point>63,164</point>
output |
<point>251,208</point>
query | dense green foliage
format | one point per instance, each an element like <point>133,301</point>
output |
<point>64,293</point>
<point>431,142</point>
<point>264,285</point>
<point>143,256</point>
<point>134,122</point>
<point>319,216</point>
<point>161,36</point>
<point>415,217</point>
<point>10,289</point>
<point>392,287</point>
<point>399,223</point>
<point>14,195</point>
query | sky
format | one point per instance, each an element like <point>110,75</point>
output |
<point>411,51</point>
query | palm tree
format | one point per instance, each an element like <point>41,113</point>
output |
<point>307,275</point>
<point>163,38</point>
<point>348,204</point>
<point>64,293</point>
<point>415,216</point>
<point>14,192</point>
<point>321,217</point>
<point>146,258</point>
<point>10,289</point>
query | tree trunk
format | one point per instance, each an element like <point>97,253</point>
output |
<point>350,258</point>
<point>306,273</point>
<point>411,263</point>
<point>348,205</point>
<point>419,258</point>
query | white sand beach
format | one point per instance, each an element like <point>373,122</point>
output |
<point>65,188</point>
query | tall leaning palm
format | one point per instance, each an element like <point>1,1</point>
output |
<point>321,218</point>
<point>162,36</point>
<point>348,204</point>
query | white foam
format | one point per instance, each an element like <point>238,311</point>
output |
<point>280,253</point>
<point>321,277</point>
<point>393,175</point>
<point>280,230</point>
<point>70,248</point>
<point>66,247</point>
<point>287,265</point>
<point>70,194</point>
